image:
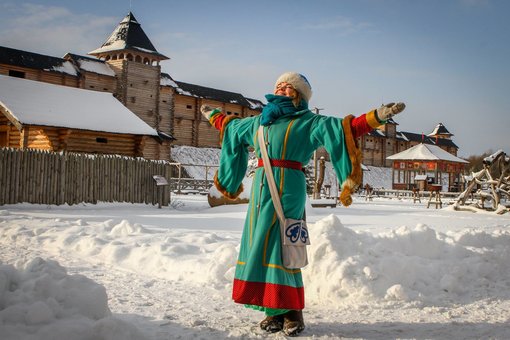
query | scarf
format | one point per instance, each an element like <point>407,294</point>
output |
<point>280,106</point>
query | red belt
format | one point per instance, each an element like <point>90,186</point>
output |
<point>282,163</point>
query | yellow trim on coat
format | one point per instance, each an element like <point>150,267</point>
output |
<point>372,120</point>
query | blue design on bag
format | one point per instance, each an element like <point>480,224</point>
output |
<point>297,231</point>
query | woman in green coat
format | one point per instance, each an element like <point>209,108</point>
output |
<point>292,133</point>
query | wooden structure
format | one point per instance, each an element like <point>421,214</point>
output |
<point>43,177</point>
<point>49,117</point>
<point>189,126</point>
<point>429,160</point>
<point>491,184</point>
<point>416,195</point>
<point>127,65</point>
<point>386,141</point>
<point>435,196</point>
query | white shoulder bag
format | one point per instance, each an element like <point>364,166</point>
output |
<point>294,233</point>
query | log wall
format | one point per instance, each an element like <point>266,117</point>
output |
<point>98,82</point>
<point>43,177</point>
<point>138,88</point>
<point>56,78</point>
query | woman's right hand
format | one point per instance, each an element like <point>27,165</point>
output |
<point>206,110</point>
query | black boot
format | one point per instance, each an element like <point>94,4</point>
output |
<point>293,323</point>
<point>272,324</point>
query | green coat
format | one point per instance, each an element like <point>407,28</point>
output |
<point>260,278</point>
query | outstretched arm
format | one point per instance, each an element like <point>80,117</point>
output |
<point>367,122</point>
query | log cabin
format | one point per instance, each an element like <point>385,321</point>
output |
<point>58,118</point>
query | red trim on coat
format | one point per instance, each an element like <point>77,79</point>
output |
<point>268,295</point>
<point>360,126</point>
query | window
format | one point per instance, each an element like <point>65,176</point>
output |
<point>189,107</point>
<point>102,140</point>
<point>17,74</point>
<point>133,99</point>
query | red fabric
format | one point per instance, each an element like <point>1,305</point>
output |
<point>268,295</point>
<point>218,121</point>
<point>359,126</point>
<point>282,163</point>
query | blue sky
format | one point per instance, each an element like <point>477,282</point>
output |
<point>448,60</point>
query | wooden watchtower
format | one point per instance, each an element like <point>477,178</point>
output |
<point>136,64</point>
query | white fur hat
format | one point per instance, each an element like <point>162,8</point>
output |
<point>299,82</point>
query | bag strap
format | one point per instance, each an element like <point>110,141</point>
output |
<point>270,178</point>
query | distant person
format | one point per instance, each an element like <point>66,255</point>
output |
<point>292,132</point>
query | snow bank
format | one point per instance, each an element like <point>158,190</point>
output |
<point>197,256</point>
<point>407,264</point>
<point>417,264</point>
<point>39,300</point>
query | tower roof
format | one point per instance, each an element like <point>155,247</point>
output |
<point>128,35</point>
<point>440,130</point>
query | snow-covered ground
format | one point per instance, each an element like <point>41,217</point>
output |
<point>379,269</point>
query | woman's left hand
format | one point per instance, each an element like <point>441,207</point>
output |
<point>387,111</point>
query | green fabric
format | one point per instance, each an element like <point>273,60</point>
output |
<point>268,311</point>
<point>214,112</point>
<point>260,253</point>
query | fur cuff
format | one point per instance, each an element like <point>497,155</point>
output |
<point>224,192</point>
<point>353,181</point>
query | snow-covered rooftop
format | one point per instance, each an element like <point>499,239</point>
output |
<point>38,103</point>
<point>128,35</point>
<point>65,67</point>
<point>440,129</point>
<point>426,152</point>
<point>99,67</point>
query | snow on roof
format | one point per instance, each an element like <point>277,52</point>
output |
<point>440,129</point>
<point>129,35</point>
<point>403,136</point>
<point>255,104</point>
<point>65,67</point>
<point>38,103</point>
<point>166,80</point>
<point>426,152</point>
<point>98,67</point>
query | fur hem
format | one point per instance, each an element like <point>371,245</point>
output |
<point>353,180</point>
<point>224,192</point>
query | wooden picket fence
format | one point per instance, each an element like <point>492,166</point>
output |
<point>43,177</point>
